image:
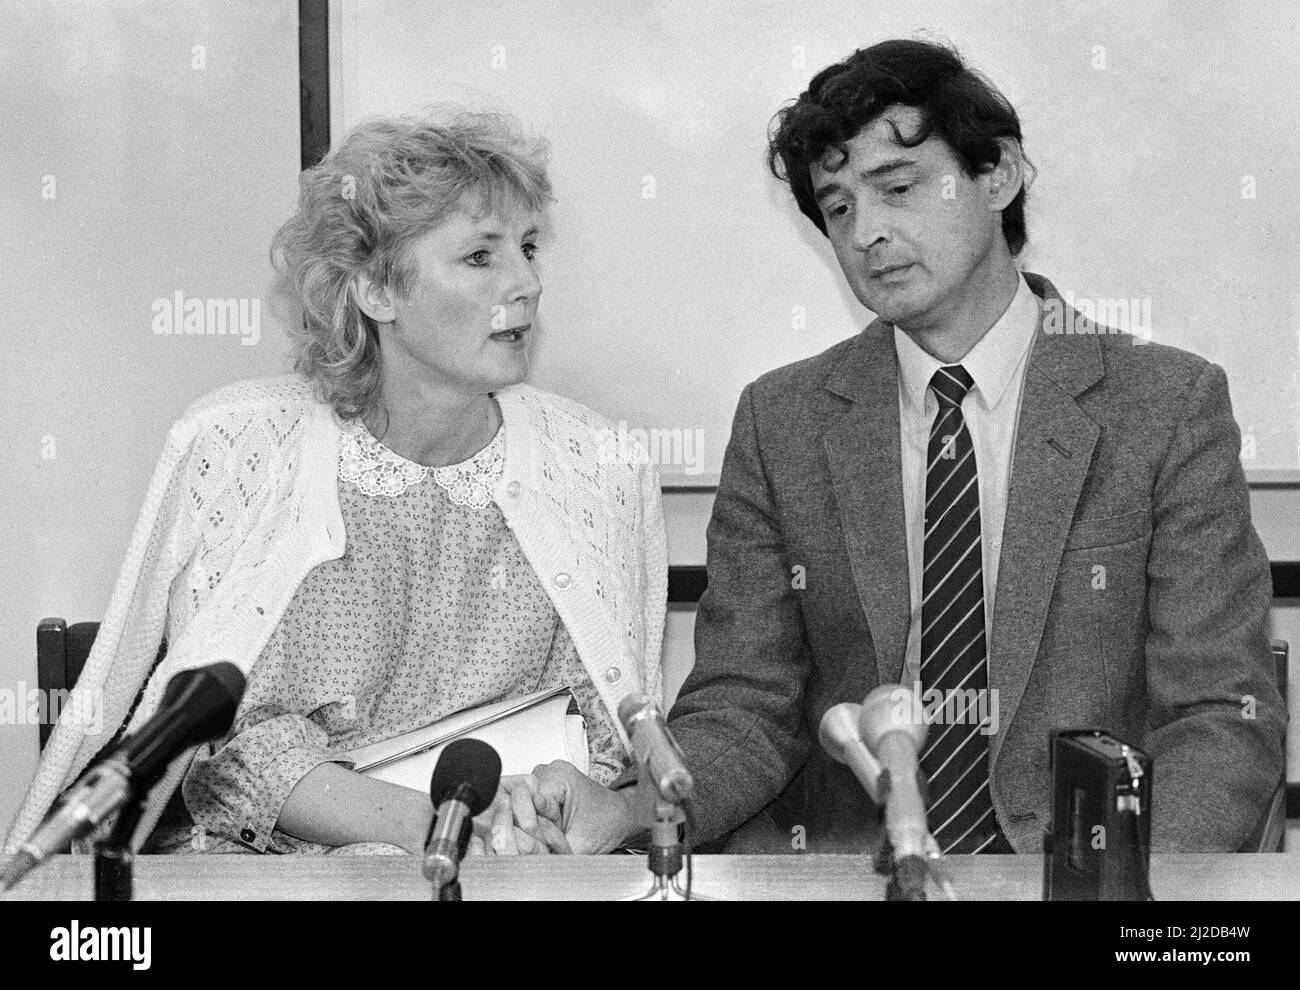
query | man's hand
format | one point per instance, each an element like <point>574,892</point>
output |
<point>512,825</point>
<point>594,819</point>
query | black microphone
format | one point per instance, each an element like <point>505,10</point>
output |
<point>198,705</point>
<point>464,784</point>
<point>655,748</point>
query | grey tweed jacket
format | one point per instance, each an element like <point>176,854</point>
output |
<point>1126,459</point>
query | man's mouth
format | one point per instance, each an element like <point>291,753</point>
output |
<point>512,334</point>
<point>884,270</point>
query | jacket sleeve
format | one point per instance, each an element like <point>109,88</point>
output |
<point>738,717</point>
<point>1216,717</point>
<point>129,634</point>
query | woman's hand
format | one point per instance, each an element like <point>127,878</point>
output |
<point>590,818</point>
<point>520,822</point>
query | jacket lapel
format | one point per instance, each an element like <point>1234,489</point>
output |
<point>862,451</point>
<point>1053,451</point>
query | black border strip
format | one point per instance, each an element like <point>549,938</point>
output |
<point>313,81</point>
<point>687,582</point>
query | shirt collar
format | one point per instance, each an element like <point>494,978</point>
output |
<point>991,362</point>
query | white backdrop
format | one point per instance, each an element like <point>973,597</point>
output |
<point>150,148</point>
<point>681,269</point>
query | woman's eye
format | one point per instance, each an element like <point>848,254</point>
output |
<point>838,210</point>
<point>900,189</point>
<point>530,251</point>
<point>478,258</point>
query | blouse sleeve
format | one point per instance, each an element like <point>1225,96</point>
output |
<point>239,790</point>
<point>605,751</point>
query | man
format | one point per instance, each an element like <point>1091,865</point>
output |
<point>980,493</point>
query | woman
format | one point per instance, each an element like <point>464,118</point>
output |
<point>400,531</point>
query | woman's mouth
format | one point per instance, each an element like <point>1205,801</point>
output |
<point>512,335</point>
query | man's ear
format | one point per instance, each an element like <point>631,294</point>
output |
<point>374,298</point>
<point>1003,182</point>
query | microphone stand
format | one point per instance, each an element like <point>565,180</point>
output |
<point>666,853</point>
<point>907,874</point>
<point>114,860</point>
<point>449,890</point>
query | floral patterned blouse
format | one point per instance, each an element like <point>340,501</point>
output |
<point>432,609</point>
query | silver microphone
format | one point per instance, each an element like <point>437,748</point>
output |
<point>198,705</point>
<point>102,791</point>
<point>841,738</point>
<point>443,848</point>
<point>895,737</point>
<point>463,785</point>
<point>655,748</point>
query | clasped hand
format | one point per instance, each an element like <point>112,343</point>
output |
<point>554,809</point>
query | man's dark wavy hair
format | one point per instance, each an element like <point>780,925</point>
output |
<point>955,102</point>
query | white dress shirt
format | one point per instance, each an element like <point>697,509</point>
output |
<point>992,411</point>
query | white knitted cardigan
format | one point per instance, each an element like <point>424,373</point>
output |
<point>244,503</point>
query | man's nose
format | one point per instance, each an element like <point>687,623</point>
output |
<point>869,229</point>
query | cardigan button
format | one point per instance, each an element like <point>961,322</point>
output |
<point>613,675</point>
<point>248,835</point>
<point>562,580</point>
<point>513,489</point>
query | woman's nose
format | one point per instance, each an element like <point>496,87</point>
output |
<point>526,283</point>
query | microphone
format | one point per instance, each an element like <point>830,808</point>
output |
<point>840,737</point>
<point>654,747</point>
<point>198,705</point>
<point>895,736</point>
<point>464,784</point>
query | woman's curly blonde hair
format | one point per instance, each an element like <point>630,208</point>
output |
<point>391,180</point>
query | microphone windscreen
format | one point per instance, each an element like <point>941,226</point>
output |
<point>198,705</point>
<point>632,706</point>
<point>889,708</point>
<point>222,678</point>
<point>473,763</point>
<point>839,727</point>
<point>209,696</point>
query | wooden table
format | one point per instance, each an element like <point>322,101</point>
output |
<point>792,877</point>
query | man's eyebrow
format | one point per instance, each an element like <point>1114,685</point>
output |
<point>827,190</point>
<point>884,168</point>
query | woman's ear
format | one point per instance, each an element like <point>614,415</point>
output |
<point>1005,179</point>
<point>373,298</point>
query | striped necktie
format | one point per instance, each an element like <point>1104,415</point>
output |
<point>954,653</point>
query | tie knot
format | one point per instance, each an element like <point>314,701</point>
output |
<point>950,384</point>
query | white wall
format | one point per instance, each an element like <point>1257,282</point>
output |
<point>1159,129</point>
<point>171,169</point>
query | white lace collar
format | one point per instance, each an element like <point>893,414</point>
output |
<point>377,470</point>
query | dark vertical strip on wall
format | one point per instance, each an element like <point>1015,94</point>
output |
<point>1286,578</point>
<point>313,80</point>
